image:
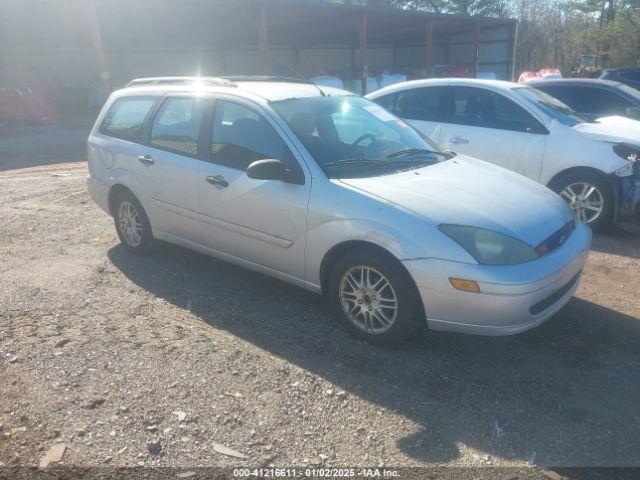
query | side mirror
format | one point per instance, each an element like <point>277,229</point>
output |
<point>633,112</point>
<point>268,169</point>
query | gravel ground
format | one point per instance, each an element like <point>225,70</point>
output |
<point>179,360</point>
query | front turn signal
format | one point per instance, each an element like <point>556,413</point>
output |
<point>465,285</point>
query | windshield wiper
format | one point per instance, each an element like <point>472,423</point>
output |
<point>414,151</point>
<point>357,161</point>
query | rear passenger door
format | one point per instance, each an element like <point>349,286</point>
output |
<point>489,126</point>
<point>169,164</point>
<point>424,108</point>
<point>261,223</point>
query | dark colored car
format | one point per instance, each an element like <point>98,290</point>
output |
<point>593,98</point>
<point>628,76</point>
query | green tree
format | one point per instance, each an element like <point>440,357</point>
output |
<point>489,8</point>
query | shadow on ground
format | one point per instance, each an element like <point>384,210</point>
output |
<point>617,242</point>
<point>568,390</point>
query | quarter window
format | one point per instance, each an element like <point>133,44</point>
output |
<point>177,125</point>
<point>126,118</point>
<point>241,136</point>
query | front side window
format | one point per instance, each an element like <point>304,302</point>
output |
<point>241,136</point>
<point>484,108</point>
<point>349,136</point>
<point>126,117</point>
<point>176,126</point>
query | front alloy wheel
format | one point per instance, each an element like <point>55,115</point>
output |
<point>368,299</point>
<point>374,296</point>
<point>585,200</point>
<point>589,195</point>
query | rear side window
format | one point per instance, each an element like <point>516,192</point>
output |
<point>427,104</point>
<point>388,101</point>
<point>241,136</point>
<point>126,117</point>
<point>176,126</point>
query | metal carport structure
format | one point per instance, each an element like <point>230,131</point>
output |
<point>75,41</point>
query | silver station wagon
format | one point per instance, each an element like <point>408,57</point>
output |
<point>328,191</point>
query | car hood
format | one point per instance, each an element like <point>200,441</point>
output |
<point>611,129</point>
<point>467,191</point>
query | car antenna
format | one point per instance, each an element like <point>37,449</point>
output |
<point>319,89</point>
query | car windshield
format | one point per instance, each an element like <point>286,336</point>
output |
<point>350,136</point>
<point>551,106</point>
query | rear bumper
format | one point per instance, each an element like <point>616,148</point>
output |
<point>513,298</point>
<point>99,193</point>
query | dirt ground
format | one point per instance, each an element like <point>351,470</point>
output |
<point>171,358</point>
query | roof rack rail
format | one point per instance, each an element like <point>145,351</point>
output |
<point>264,78</point>
<point>218,81</point>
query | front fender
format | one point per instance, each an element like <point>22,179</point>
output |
<point>402,244</point>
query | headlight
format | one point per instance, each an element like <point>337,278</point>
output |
<point>489,247</point>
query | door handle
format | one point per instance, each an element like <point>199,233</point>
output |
<point>146,159</point>
<point>217,180</point>
<point>458,140</point>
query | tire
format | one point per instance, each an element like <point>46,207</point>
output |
<point>574,183</point>
<point>132,223</point>
<point>409,315</point>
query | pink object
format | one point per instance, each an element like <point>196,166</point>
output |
<point>550,73</point>
<point>528,75</point>
<point>28,99</point>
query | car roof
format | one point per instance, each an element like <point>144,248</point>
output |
<point>622,69</point>
<point>574,81</point>
<point>433,82</point>
<point>268,88</point>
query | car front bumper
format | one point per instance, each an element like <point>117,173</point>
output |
<point>513,298</point>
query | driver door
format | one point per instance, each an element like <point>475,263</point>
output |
<point>261,223</point>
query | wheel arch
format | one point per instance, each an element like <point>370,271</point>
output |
<point>114,191</point>
<point>337,251</point>
<point>609,179</point>
<point>571,170</point>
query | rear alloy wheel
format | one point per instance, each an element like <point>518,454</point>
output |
<point>132,224</point>
<point>589,196</point>
<point>129,224</point>
<point>374,297</point>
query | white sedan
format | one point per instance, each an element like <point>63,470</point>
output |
<point>592,165</point>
